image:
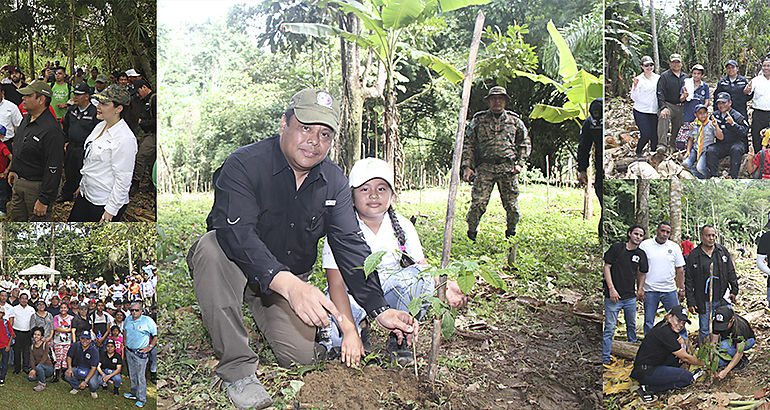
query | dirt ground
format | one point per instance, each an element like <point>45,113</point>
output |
<point>142,207</point>
<point>544,359</point>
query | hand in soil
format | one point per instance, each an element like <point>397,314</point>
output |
<point>399,323</point>
<point>352,350</point>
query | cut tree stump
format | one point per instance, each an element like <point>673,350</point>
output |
<point>626,350</point>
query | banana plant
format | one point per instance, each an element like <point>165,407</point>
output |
<point>580,86</point>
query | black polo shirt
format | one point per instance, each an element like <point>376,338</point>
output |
<point>669,88</point>
<point>148,112</point>
<point>741,331</point>
<point>265,225</point>
<point>763,248</point>
<point>12,93</point>
<point>738,132</point>
<point>658,344</point>
<point>38,153</point>
<point>78,124</point>
<point>110,364</point>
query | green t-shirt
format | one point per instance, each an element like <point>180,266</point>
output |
<point>61,94</point>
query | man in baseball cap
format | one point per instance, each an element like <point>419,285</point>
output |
<point>735,129</point>
<point>670,108</point>
<point>77,123</point>
<point>38,152</point>
<point>733,84</point>
<point>82,361</point>
<point>735,336</point>
<point>273,201</point>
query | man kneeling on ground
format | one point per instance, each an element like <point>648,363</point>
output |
<point>733,335</point>
<point>656,366</point>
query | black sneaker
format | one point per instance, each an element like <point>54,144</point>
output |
<point>472,235</point>
<point>646,394</point>
<point>2,382</point>
<point>741,363</point>
<point>115,390</point>
<point>365,336</point>
<point>400,353</point>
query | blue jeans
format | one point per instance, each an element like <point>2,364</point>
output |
<point>699,168</point>
<point>667,377</point>
<point>399,289</point>
<point>731,350</point>
<point>136,369</point>
<point>4,363</point>
<point>41,372</point>
<point>704,318</point>
<point>114,379</point>
<point>652,300</point>
<point>154,359</point>
<point>74,381</point>
<point>611,311</point>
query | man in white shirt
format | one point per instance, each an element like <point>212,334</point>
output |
<point>148,289</point>
<point>6,285</point>
<point>10,117</point>
<point>664,282</point>
<point>760,118</point>
<point>21,321</point>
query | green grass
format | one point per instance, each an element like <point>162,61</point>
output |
<point>18,394</point>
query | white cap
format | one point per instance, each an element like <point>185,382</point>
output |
<point>109,306</point>
<point>132,73</point>
<point>370,168</point>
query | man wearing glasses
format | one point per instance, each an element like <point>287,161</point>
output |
<point>140,336</point>
<point>664,282</point>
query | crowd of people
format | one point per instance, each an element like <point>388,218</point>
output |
<point>687,279</point>
<point>95,133</point>
<point>674,111</point>
<point>87,333</point>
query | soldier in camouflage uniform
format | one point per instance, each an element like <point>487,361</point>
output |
<point>496,148</point>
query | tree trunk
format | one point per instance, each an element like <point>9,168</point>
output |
<point>675,209</point>
<point>643,203</point>
<point>588,211</point>
<point>52,264</point>
<point>392,146</point>
<point>626,350</point>
<point>655,52</point>
<point>71,43</point>
<point>717,39</point>
<point>31,73</point>
<point>348,144</point>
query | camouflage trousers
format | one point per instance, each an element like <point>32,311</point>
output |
<point>507,184</point>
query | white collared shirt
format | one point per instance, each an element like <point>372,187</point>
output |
<point>760,86</point>
<point>645,94</point>
<point>108,166</point>
<point>22,317</point>
<point>10,117</point>
<point>384,240</point>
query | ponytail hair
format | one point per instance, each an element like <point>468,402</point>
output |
<point>406,260</point>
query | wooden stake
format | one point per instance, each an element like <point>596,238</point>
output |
<point>709,313</point>
<point>454,181</point>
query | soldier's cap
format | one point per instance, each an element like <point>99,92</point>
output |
<point>102,78</point>
<point>115,93</point>
<point>722,318</point>
<point>314,106</point>
<point>367,169</point>
<point>37,86</point>
<point>647,60</point>
<point>724,97</point>
<point>698,67</point>
<point>81,89</point>
<point>732,63</point>
<point>141,83</point>
<point>675,57</point>
<point>497,90</point>
<point>132,73</point>
<point>680,312</point>
<point>699,106</point>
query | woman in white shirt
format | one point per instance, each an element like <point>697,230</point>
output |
<point>644,94</point>
<point>108,164</point>
<point>400,270</point>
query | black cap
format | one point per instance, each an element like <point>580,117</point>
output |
<point>82,88</point>
<point>722,318</point>
<point>680,312</point>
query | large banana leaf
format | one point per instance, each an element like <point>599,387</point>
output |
<point>372,42</point>
<point>401,13</point>
<point>567,64</point>
<point>553,114</point>
<point>371,20</point>
<point>444,68</point>
<point>539,78</point>
<point>449,5</point>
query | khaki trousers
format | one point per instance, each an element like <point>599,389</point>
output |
<point>23,198</point>
<point>221,287</point>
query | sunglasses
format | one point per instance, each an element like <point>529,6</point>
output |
<point>648,65</point>
<point>136,310</point>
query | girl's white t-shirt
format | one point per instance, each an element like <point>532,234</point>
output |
<point>384,240</point>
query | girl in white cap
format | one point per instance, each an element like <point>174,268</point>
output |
<point>371,182</point>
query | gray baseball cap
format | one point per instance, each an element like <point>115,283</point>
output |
<point>675,57</point>
<point>647,60</point>
<point>497,90</point>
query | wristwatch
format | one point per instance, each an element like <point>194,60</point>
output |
<point>376,312</point>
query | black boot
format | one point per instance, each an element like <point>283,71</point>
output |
<point>115,390</point>
<point>399,352</point>
<point>55,376</point>
<point>153,377</point>
<point>365,336</point>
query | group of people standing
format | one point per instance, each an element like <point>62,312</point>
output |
<point>673,111</point>
<point>80,334</point>
<point>100,135</point>
<point>700,281</point>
